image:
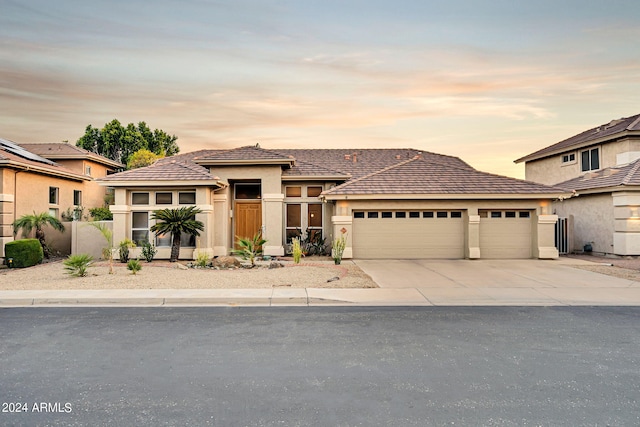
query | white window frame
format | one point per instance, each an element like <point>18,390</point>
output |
<point>569,160</point>
<point>590,165</point>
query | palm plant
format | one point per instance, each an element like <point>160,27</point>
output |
<point>77,265</point>
<point>250,248</point>
<point>37,221</point>
<point>175,222</point>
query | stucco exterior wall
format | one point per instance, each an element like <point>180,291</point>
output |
<point>593,221</point>
<point>123,208</point>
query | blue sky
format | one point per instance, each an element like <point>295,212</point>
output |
<point>489,81</point>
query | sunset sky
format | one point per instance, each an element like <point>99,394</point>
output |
<point>488,81</point>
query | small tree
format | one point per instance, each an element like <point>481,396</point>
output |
<point>175,222</point>
<point>107,252</point>
<point>37,221</point>
<point>142,158</point>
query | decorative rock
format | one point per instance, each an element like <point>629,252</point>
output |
<point>333,279</point>
<point>274,264</point>
<point>226,262</point>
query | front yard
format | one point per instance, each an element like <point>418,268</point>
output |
<point>165,275</point>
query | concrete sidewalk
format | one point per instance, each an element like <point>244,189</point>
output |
<point>402,283</point>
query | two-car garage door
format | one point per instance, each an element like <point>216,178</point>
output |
<point>408,234</point>
<point>439,234</point>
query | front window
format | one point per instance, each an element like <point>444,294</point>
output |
<point>77,197</point>
<point>139,198</point>
<point>53,195</point>
<point>590,159</point>
<point>140,227</point>
<point>248,191</point>
<point>187,198</point>
<point>294,220</point>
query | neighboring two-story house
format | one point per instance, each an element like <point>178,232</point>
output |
<point>48,178</point>
<point>601,166</point>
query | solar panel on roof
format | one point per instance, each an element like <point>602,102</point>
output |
<point>14,148</point>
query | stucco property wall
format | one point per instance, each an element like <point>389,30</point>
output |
<point>592,220</point>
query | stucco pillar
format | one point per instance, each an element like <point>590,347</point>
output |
<point>343,225</point>
<point>544,237</point>
<point>272,223</point>
<point>222,220</point>
<point>473,237</point>
<point>204,242</point>
<point>121,216</point>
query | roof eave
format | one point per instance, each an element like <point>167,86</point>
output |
<point>162,183</point>
<point>448,196</point>
<point>45,171</point>
<point>315,177</point>
<point>107,162</point>
<point>252,162</point>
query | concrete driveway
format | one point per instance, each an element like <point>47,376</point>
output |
<point>496,282</point>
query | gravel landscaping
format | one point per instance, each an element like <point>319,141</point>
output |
<point>165,275</point>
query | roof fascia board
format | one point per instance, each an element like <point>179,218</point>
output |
<point>250,162</point>
<point>45,171</point>
<point>447,196</point>
<point>108,162</point>
<point>315,177</point>
<point>154,183</point>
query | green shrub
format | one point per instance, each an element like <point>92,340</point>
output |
<point>77,265</point>
<point>134,266</point>
<point>123,249</point>
<point>202,259</point>
<point>148,251</point>
<point>101,214</point>
<point>24,253</point>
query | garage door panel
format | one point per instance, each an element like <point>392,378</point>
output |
<point>408,238</point>
<point>505,238</point>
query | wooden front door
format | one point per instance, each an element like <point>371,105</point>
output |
<point>248,220</point>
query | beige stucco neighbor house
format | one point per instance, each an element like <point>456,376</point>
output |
<point>601,166</point>
<point>390,203</point>
<point>47,178</point>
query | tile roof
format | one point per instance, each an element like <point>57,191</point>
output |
<point>603,132</point>
<point>363,161</point>
<point>627,175</point>
<point>54,169</point>
<point>62,150</point>
<point>244,154</point>
<point>421,175</point>
<point>367,171</point>
<point>166,170</point>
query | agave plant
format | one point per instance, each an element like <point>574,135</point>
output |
<point>250,247</point>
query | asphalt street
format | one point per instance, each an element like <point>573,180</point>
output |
<point>329,366</point>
